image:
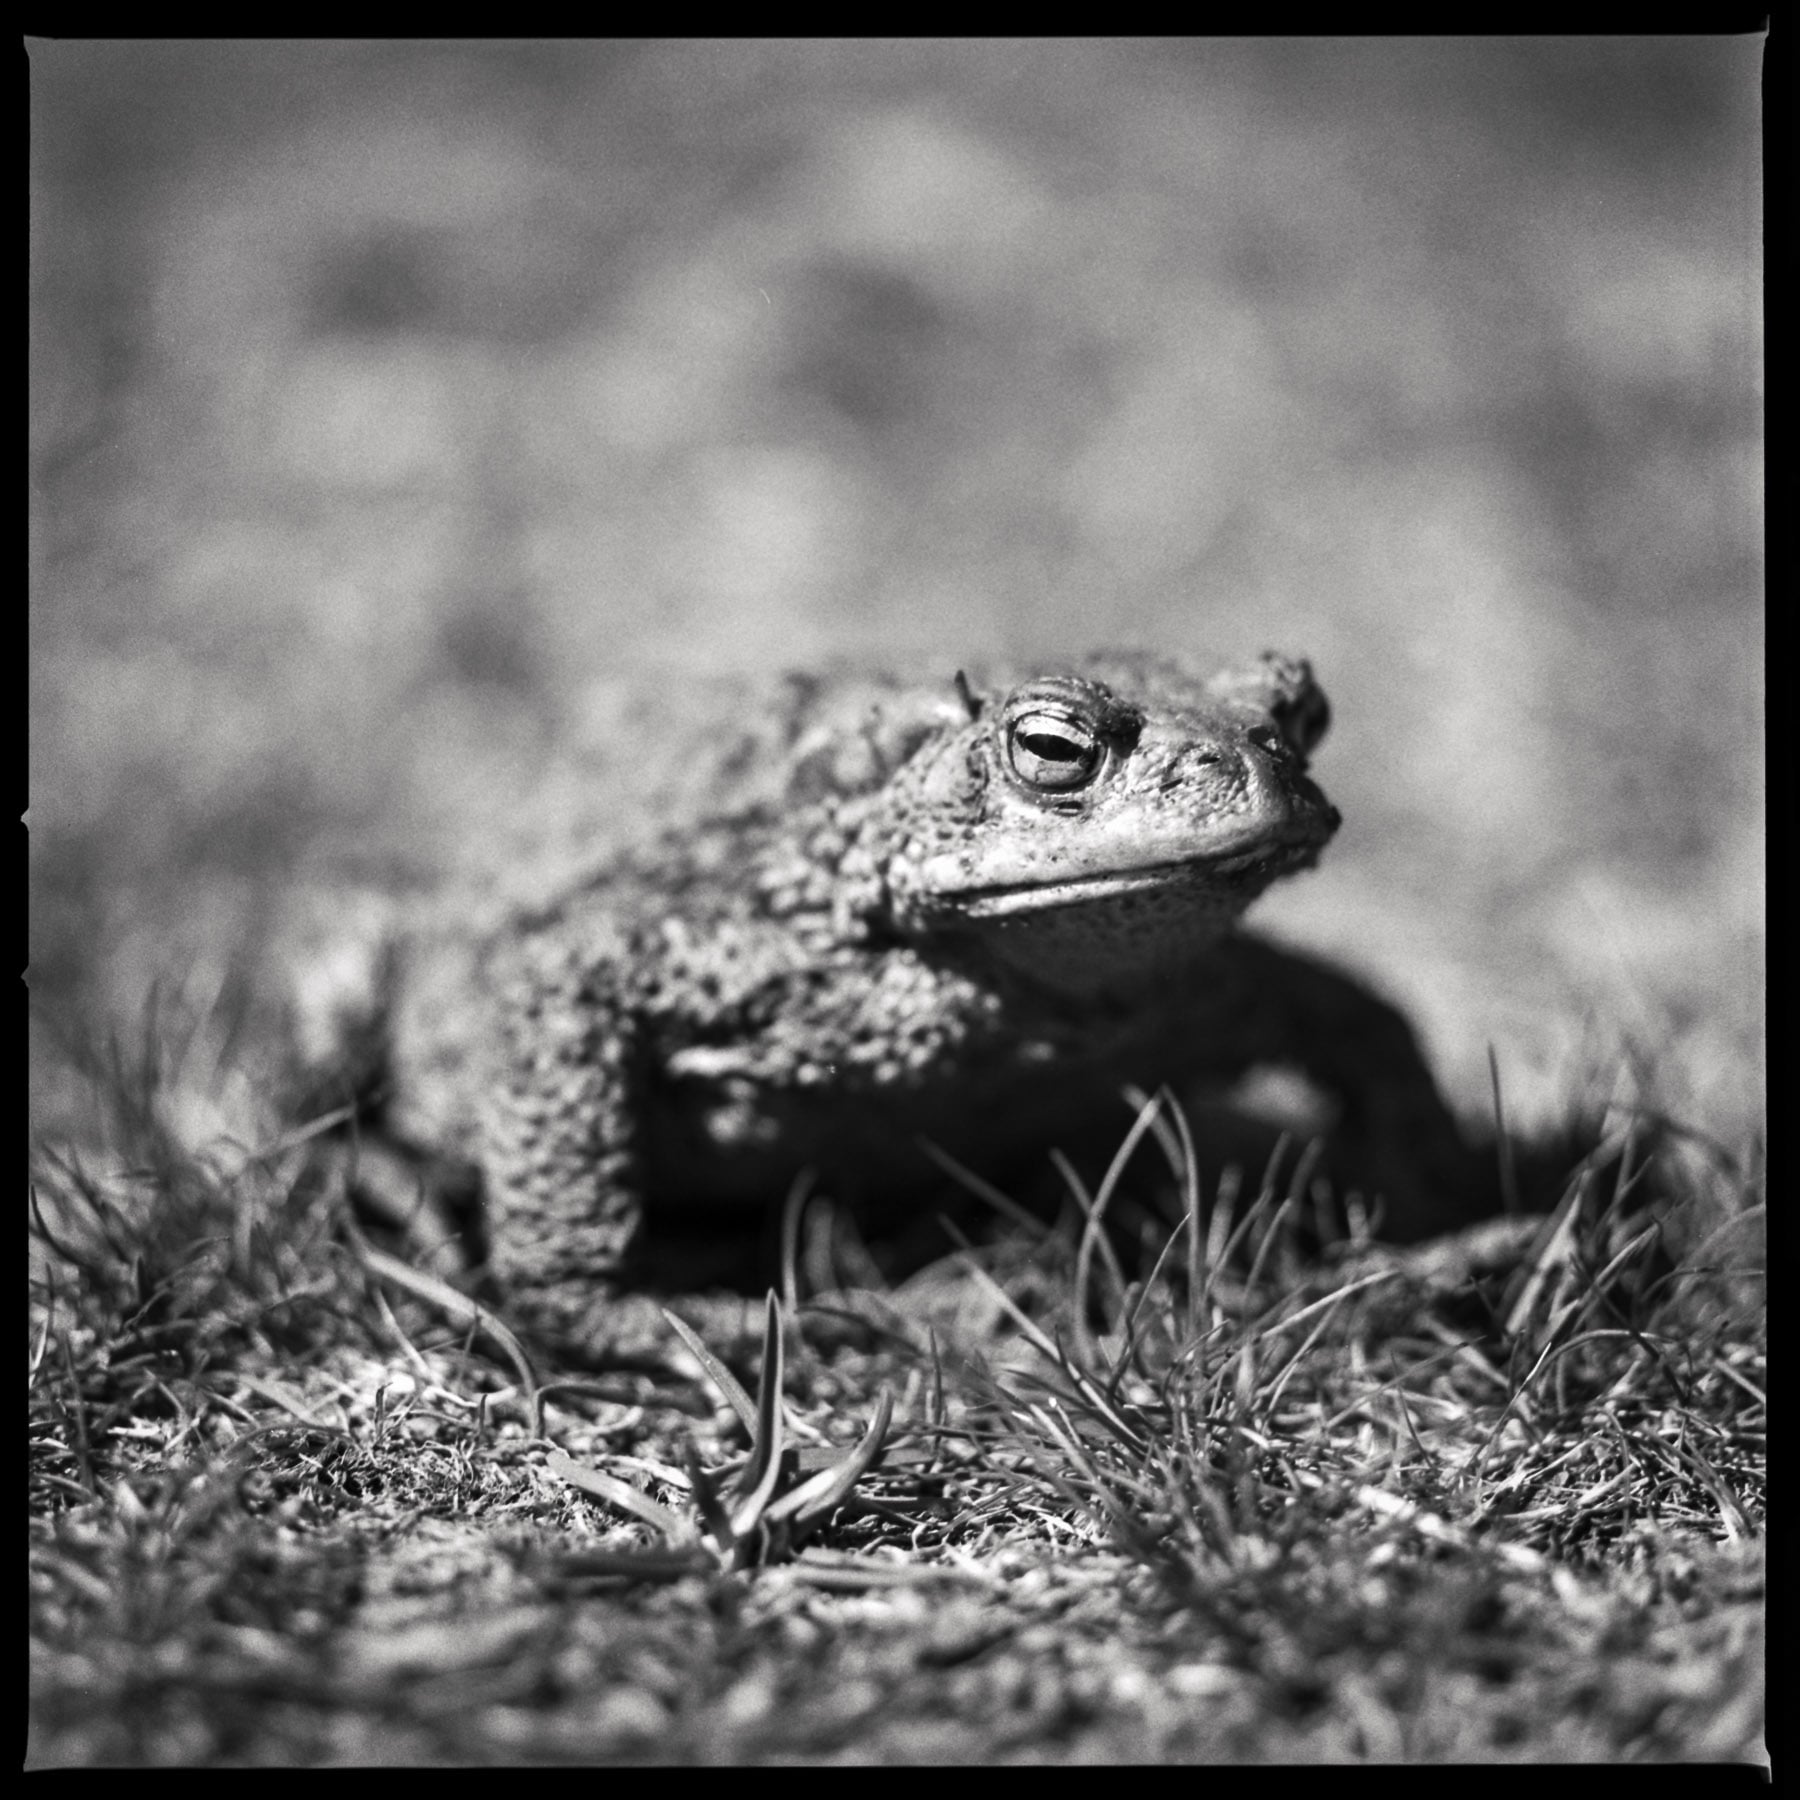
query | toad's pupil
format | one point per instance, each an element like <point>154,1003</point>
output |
<point>1054,748</point>
<point>1055,759</point>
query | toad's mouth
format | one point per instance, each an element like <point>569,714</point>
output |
<point>1232,879</point>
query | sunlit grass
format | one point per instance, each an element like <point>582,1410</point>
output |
<point>1499,1495</point>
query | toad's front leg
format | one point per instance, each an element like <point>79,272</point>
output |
<point>560,1145</point>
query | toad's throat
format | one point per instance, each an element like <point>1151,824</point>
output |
<point>1232,879</point>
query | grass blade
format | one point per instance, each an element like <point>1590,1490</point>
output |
<point>730,1388</point>
<point>815,1499</point>
<point>622,1495</point>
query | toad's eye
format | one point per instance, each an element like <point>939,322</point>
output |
<point>1052,752</point>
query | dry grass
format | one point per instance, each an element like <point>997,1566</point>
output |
<point>1500,1498</point>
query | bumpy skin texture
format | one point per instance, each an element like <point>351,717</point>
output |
<point>968,912</point>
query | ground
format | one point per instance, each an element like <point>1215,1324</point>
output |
<point>1514,1514</point>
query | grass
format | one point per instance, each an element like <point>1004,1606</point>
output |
<point>1495,1498</point>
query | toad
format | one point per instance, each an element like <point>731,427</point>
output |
<point>965,912</point>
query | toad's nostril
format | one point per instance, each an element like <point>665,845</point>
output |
<point>1209,755</point>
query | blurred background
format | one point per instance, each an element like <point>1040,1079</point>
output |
<point>397,408</point>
